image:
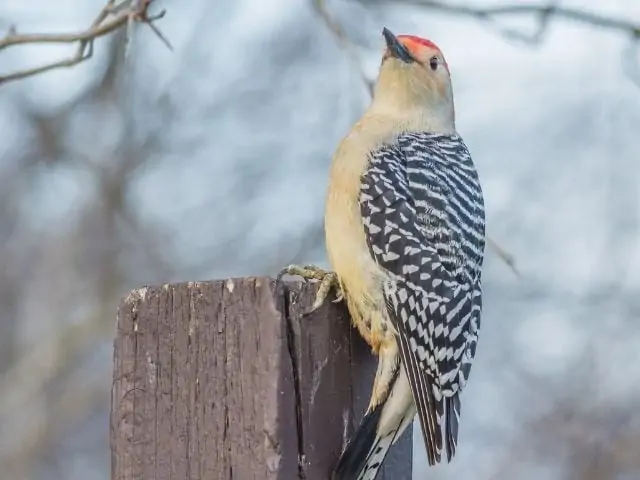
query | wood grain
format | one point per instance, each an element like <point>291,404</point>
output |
<point>228,380</point>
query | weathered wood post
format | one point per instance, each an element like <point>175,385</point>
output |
<point>226,380</point>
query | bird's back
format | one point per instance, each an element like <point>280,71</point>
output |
<point>446,191</point>
<point>424,214</point>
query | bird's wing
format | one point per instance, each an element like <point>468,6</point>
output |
<point>428,305</point>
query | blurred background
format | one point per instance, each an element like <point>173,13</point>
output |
<point>145,165</point>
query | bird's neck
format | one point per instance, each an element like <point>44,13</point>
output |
<point>415,118</point>
<point>396,97</point>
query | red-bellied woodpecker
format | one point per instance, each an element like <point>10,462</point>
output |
<point>405,234</point>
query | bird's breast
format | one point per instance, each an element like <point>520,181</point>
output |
<point>360,276</point>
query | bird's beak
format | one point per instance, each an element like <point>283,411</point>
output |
<point>396,48</point>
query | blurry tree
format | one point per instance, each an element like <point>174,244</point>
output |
<point>78,274</point>
<point>582,433</point>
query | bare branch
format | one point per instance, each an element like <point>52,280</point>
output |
<point>505,256</point>
<point>112,17</point>
<point>343,39</point>
<point>542,10</point>
<point>345,42</point>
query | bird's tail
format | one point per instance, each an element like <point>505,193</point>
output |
<point>361,447</point>
<point>379,429</point>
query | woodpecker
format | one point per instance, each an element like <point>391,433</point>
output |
<point>405,235</point>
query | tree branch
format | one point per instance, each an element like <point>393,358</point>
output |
<point>543,10</point>
<point>112,17</point>
<point>343,39</point>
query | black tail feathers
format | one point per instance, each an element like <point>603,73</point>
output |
<point>359,448</point>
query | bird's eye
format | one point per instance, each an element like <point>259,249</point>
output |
<point>433,63</point>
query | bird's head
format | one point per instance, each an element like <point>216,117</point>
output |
<point>414,77</point>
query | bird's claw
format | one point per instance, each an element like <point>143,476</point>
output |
<point>327,281</point>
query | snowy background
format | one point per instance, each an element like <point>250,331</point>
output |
<point>212,160</point>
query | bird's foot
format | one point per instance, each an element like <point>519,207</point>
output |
<point>327,281</point>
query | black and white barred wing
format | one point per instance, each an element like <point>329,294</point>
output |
<point>426,304</point>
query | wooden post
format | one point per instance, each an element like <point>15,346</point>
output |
<point>226,380</point>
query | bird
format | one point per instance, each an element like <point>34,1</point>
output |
<point>405,235</point>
